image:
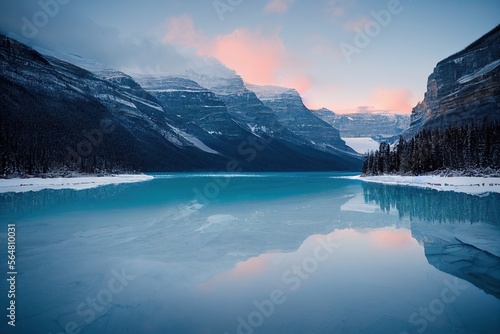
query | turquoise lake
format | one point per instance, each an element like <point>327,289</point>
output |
<point>253,253</point>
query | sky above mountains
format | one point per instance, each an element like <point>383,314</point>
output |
<point>345,55</point>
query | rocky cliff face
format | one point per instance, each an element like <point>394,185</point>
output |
<point>187,104</point>
<point>325,114</point>
<point>242,104</point>
<point>286,148</point>
<point>293,114</point>
<point>202,114</point>
<point>59,118</point>
<point>219,109</point>
<point>464,88</point>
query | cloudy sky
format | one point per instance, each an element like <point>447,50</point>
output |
<point>339,54</point>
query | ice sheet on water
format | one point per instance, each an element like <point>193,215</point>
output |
<point>464,184</point>
<point>248,236</point>
<point>218,221</point>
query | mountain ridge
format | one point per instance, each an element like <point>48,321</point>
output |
<point>58,107</point>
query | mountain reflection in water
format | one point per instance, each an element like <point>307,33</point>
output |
<point>460,232</point>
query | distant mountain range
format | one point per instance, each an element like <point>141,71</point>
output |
<point>63,114</point>
<point>379,124</point>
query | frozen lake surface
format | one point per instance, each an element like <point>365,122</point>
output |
<point>253,253</point>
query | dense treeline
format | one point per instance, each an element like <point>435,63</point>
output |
<point>50,145</point>
<point>476,146</point>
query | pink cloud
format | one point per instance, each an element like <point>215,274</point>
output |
<point>259,58</point>
<point>336,98</point>
<point>322,95</point>
<point>394,99</point>
<point>278,6</point>
<point>301,83</point>
<point>243,270</point>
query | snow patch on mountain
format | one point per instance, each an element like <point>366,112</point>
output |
<point>269,92</point>
<point>87,64</point>
<point>145,102</point>
<point>108,97</point>
<point>488,68</point>
<point>193,140</point>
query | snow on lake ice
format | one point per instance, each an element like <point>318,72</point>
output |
<point>465,184</point>
<point>77,183</point>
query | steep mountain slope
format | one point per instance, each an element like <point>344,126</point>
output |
<point>242,104</point>
<point>293,114</point>
<point>456,128</point>
<point>241,112</point>
<point>202,114</point>
<point>57,117</point>
<point>206,119</point>
<point>187,104</point>
<point>325,114</point>
<point>463,88</point>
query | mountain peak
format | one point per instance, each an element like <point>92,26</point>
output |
<point>490,37</point>
<point>269,90</point>
<point>324,110</point>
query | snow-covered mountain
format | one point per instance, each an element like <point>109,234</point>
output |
<point>243,105</point>
<point>366,124</point>
<point>228,111</point>
<point>204,115</point>
<point>187,103</point>
<point>293,114</point>
<point>58,117</point>
<point>252,115</point>
<point>325,114</point>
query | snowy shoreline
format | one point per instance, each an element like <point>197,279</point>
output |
<point>463,184</point>
<point>76,183</point>
<point>473,185</point>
